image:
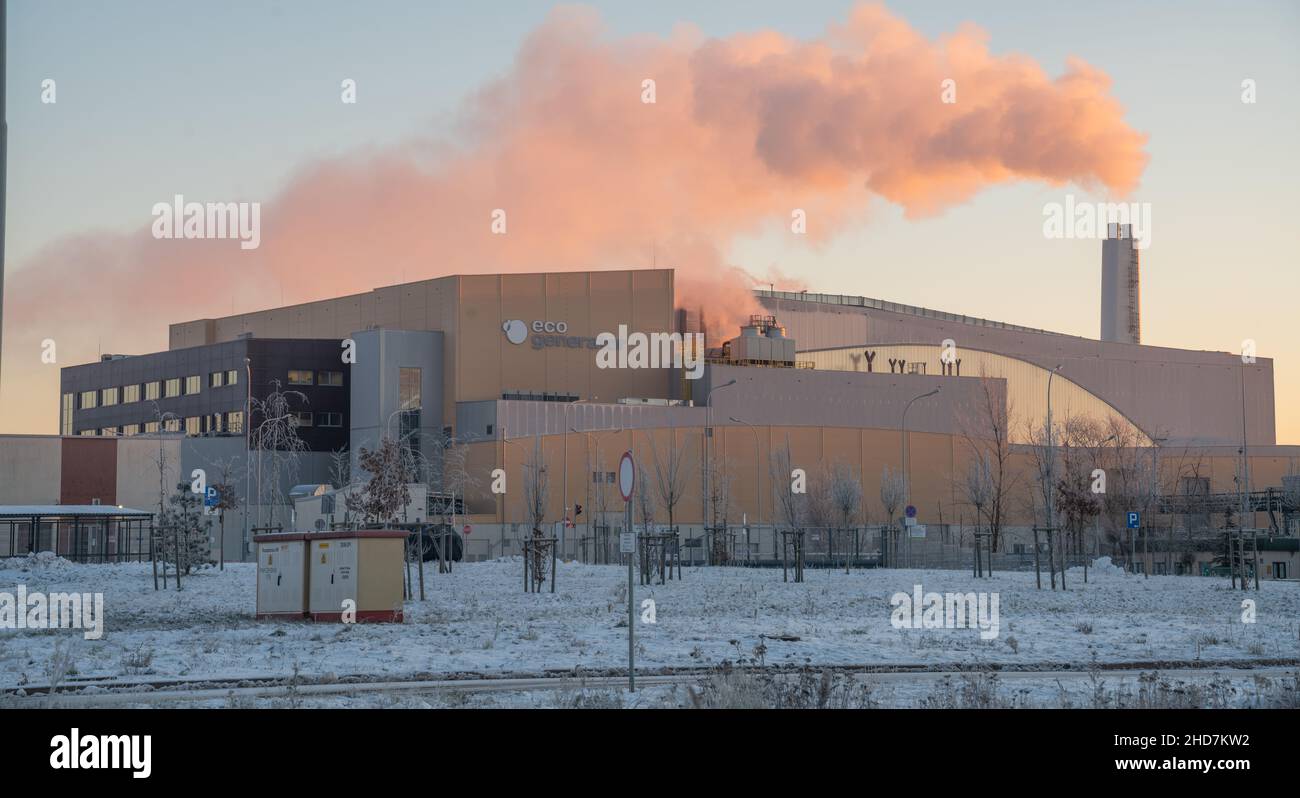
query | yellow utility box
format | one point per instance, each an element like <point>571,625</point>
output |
<point>355,575</point>
<point>281,576</point>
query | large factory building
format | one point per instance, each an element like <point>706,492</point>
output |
<point>510,366</point>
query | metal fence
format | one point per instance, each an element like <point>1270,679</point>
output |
<point>79,539</point>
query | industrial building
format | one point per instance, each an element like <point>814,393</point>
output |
<point>505,365</point>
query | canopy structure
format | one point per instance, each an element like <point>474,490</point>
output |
<point>77,532</point>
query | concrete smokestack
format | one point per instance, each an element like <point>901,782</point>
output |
<point>1121,286</point>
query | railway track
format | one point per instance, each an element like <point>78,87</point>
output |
<point>92,693</point>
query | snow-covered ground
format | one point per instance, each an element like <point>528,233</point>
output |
<point>479,619</point>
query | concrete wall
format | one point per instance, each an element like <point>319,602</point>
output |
<point>30,469</point>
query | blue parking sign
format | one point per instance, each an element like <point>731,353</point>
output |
<point>210,497</point>
<point>1133,519</point>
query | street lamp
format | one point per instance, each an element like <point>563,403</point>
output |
<point>758,484</point>
<point>1051,463</point>
<point>248,451</point>
<point>903,442</point>
<point>903,447</point>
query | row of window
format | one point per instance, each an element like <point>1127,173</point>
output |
<point>232,421</point>
<point>175,386</point>
<point>309,377</point>
<point>187,386</point>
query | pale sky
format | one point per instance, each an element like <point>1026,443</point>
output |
<point>230,100</point>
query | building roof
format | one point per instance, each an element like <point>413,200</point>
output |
<point>69,510</point>
<point>897,307</point>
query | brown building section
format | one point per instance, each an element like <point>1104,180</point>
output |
<point>480,362</point>
<point>89,471</point>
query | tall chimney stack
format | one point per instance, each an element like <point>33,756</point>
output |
<point>1121,286</point>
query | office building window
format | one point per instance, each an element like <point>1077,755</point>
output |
<point>330,420</point>
<point>151,390</point>
<point>172,425</point>
<point>130,393</point>
<point>109,397</point>
<point>235,421</point>
<point>151,427</point>
<point>65,420</point>
<point>193,385</point>
<point>408,388</point>
<point>334,378</point>
<point>131,429</point>
<point>87,432</point>
<point>301,377</point>
<point>109,431</point>
<point>193,425</point>
<point>303,418</point>
<point>173,387</point>
<point>214,422</point>
<point>216,379</point>
<point>232,377</point>
<point>89,399</point>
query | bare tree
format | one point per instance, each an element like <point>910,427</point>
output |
<point>1038,499</point>
<point>670,475</point>
<point>891,498</point>
<point>986,433</point>
<point>341,467</point>
<point>645,500</point>
<point>846,498</point>
<point>227,499</point>
<point>536,496</point>
<point>977,491</point>
<point>720,505</point>
<point>790,505</point>
<point>279,449</point>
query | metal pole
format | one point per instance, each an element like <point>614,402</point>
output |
<point>631,621</point>
<point>1051,481</point>
<point>902,443</point>
<point>248,454</point>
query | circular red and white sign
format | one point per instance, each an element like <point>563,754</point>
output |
<point>466,529</point>
<point>626,476</point>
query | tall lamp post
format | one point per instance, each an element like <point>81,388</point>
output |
<point>758,483</point>
<point>903,447</point>
<point>248,452</point>
<point>1051,463</point>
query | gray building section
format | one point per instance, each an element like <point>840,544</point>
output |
<point>397,388</point>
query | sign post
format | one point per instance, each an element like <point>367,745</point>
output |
<point>626,483</point>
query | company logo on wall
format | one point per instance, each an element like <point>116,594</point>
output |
<point>516,331</point>
<point>546,334</point>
